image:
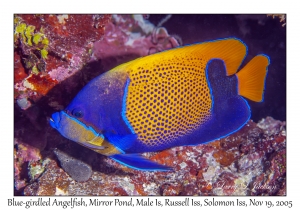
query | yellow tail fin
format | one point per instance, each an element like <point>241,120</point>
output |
<point>251,79</point>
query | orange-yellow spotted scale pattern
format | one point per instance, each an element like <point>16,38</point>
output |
<point>168,98</point>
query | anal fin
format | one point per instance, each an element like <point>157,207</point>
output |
<point>138,162</point>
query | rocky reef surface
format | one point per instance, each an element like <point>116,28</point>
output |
<point>249,162</point>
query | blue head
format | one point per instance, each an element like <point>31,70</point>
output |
<point>81,120</point>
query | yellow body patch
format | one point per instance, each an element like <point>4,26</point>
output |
<point>168,96</point>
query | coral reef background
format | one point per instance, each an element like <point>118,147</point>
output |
<point>56,55</point>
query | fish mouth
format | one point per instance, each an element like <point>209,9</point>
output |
<point>55,120</point>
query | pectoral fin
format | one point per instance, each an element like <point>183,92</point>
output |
<point>138,162</point>
<point>121,142</point>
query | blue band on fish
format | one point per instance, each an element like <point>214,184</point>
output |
<point>124,106</point>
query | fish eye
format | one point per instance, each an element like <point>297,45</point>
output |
<point>77,113</point>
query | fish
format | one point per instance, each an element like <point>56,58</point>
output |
<point>188,95</point>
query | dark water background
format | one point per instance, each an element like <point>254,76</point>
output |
<point>262,35</point>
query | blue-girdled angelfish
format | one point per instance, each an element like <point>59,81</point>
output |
<point>183,96</point>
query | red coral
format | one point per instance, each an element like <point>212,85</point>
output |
<point>70,37</point>
<point>42,84</point>
<point>170,189</point>
<point>205,187</point>
<point>19,71</point>
<point>225,158</point>
<point>120,191</point>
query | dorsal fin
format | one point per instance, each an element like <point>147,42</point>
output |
<point>232,51</point>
